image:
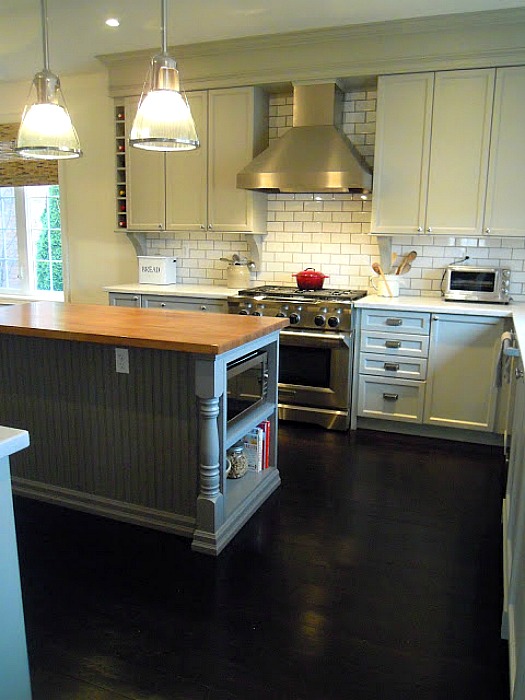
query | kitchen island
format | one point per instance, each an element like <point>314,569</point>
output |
<point>128,413</point>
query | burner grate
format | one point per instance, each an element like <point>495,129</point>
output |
<point>292,292</point>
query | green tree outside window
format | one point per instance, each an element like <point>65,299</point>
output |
<point>48,249</point>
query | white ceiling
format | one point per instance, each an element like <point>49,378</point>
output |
<point>77,32</point>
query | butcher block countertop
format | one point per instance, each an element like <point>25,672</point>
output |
<point>182,331</point>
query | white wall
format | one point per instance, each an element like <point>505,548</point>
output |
<point>97,255</point>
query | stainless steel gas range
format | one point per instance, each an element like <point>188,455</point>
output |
<point>316,350</point>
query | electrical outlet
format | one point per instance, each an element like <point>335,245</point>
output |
<point>122,360</point>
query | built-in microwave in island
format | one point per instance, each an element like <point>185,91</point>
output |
<point>247,384</point>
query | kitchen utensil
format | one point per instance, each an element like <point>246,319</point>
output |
<point>376,267</point>
<point>310,279</point>
<point>407,259</point>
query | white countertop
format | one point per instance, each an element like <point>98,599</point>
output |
<point>436,305</point>
<point>210,291</point>
<point>12,440</point>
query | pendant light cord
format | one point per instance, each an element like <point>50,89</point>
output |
<point>45,44</point>
<point>164,23</point>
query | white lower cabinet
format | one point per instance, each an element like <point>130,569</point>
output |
<point>430,369</point>
<point>152,301</point>
<point>175,303</point>
<point>513,519</point>
<point>393,364</point>
<point>461,389</point>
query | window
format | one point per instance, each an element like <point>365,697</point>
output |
<point>30,241</point>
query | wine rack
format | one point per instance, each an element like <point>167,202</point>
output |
<point>120,158</point>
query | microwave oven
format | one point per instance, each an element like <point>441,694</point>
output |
<point>246,384</point>
<point>481,284</point>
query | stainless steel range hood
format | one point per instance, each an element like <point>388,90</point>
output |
<point>314,155</point>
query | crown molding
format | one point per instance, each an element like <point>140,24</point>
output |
<point>469,40</point>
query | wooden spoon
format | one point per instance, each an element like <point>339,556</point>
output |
<point>376,267</point>
<point>409,258</point>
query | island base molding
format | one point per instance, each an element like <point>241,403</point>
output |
<point>208,542</point>
<point>105,507</point>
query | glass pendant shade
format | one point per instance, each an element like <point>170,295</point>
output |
<point>163,121</point>
<point>46,131</point>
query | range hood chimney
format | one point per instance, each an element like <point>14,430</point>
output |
<point>314,155</point>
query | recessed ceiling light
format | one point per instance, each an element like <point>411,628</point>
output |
<point>113,22</point>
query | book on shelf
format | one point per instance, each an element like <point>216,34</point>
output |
<point>257,446</point>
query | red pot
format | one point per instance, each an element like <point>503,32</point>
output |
<point>310,279</point>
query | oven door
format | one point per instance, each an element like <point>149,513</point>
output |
<point>315,369</point>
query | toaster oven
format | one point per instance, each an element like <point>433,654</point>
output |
<point>481,284</point>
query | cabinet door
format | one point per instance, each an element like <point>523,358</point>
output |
<point>461,119</point>
<point>145,182</point>
<point>461,391</point>
<point>505,209</point>
<point>186,175</point>
<point>234,138</point>
<point>404,108</point>
<point>514,544</point>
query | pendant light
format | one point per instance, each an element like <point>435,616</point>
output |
<point>46,131</point>
<point>163,121</point>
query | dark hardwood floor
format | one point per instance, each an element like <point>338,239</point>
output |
<point>373,573</point>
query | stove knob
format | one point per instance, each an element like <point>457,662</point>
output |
<point>333,321</point>
<point>243,312</point>
<point>319,320</point>
<point>294,319</point>
<point>280,314</point>
<point>256,313</point>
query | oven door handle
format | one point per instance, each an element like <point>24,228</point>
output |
<point>318,340</point>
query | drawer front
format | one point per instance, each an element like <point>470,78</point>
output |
<point>122,299</point>
<point>393,367</point>
<point>211,305</point>
<point>396,321</point>
<point>398,344</point>
<point>390,399</point>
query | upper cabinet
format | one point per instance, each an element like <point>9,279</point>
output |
<point>433,134</point>
<point>505,208</point>
<point>196,190</point>
<point>448,155</point>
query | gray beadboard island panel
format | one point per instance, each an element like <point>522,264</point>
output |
<point>104,441</point>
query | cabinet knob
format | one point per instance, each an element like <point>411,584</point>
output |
<point>487,230</point>
<point>204,308</point>
<point>429,229</point>
<point>391,397</point>
<point>163,304</point>
<point>203,227</point>
<point>420,229</point>
<point>519,372</point>
<point>210,227</point>
<point>159,226</point>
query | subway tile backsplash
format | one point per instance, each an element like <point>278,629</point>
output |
<point>331,232</point>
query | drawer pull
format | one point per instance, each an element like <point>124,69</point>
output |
<point>391,366</point>
<point>394,321</point>
<point>392,344</point>
<point>391,397</point>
